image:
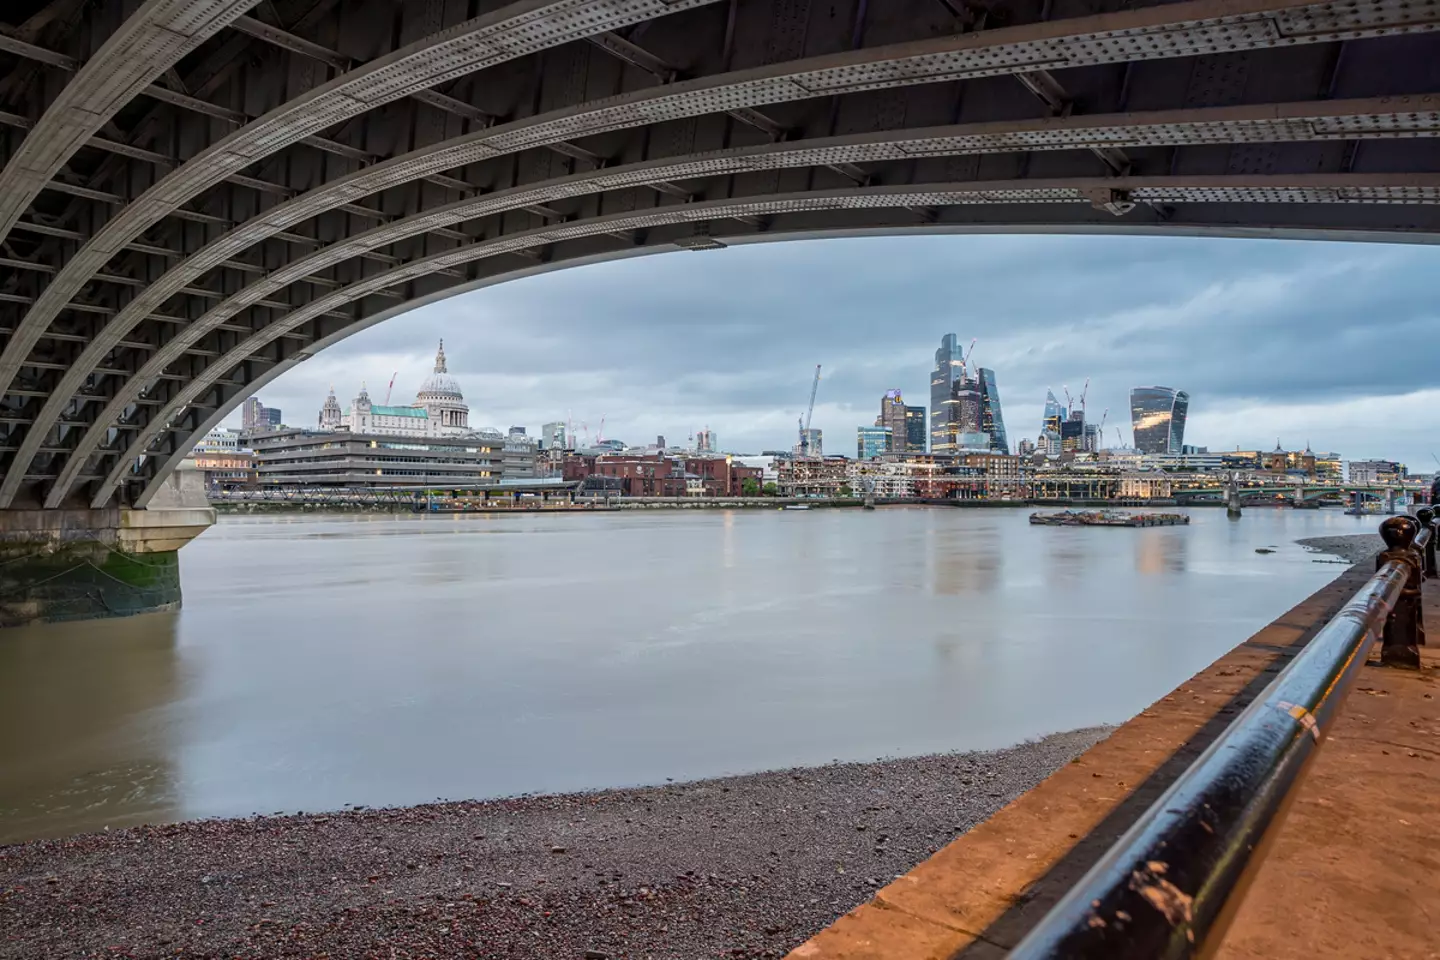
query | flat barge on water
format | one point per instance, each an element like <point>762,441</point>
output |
<point>1107,518</point>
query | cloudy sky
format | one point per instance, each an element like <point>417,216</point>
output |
<point>1331,343</point>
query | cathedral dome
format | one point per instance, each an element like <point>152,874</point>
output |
<point>440,385</point>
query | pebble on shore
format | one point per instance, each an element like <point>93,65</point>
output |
<point>739,867</point>
<point>1355,547</point>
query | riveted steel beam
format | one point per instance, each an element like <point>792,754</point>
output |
<point>285,40</point>
<point>150,41</point>
<point>622,49</point>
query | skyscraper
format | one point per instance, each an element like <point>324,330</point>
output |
<point>1054,414</point>
<point>992,420</point>
<point>944,407</point>
<point>1157,415</point>
<point>914,430</point>
<point>1072,432</point>
<point>255,416</point>
<point>251,414</point>
<point>968,404</point>
<point>892,416</point>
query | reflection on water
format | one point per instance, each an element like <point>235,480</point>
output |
<point>1161,550</point>
<point>84,735</point>
<point>321,661</point>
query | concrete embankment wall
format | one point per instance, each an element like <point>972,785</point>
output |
<point>977,897</point>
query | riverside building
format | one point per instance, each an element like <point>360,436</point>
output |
<point>428,443</point>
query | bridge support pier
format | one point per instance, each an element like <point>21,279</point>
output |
<point>84,564</point>
<point>1232,501</point>
<point>1390,502</point>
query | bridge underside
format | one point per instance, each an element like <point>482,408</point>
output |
<point>198,194</point>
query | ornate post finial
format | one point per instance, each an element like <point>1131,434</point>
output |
<point>1399,532</point>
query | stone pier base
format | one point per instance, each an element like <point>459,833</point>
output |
<point>85,564</point>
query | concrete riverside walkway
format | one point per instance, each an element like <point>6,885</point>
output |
<point>1353,872</point>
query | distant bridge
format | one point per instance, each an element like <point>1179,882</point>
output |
<point>1306,491</point>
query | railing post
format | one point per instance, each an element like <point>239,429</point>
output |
<point>1404,629</point>
<point>1426,516</point>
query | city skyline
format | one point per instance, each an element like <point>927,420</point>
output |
<point>1124,313</point>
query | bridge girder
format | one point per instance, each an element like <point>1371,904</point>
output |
<point>302,174</point>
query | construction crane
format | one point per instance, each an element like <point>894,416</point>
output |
<point>391,387</point>
<point>1083,394</point>
<point>1102,421</point>
<point>1120,436</point>
<point>1069,404</point>
<point>965,360</point>
<point>600,433</point>
<point>809,411</point>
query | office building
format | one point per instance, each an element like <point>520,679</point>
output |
<point>1157,415</point>
<point>906,423</point>
<point>1375,471</point>
<point>872,442</point>
<point>350,459</point>
<point>992,419</point>
<point>1054,414</point>
<point>255,416</point>
<point>915,430</point>
<point>892,416</point>
<point>220,440</point>
<point>1072,432</point>
<point>552,437</point>
<point>705,441</point>
<point>969,407</point>
<point>519,457</point>
<point>944,407</point>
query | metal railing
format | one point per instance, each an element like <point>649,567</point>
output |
<point>1170,885</point>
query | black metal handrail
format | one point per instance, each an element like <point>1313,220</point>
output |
<point>1171,884</point>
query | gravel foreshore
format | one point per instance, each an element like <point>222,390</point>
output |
<point>745,866</point>
<point>1355,547</point>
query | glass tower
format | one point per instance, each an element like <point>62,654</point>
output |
<point>871,442</point>
<point>944,406</point>
<point>992,420</point>
<point>1157,415</point>
<point>914,430</point>
<point>1054,414</point>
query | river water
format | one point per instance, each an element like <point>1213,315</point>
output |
<point>345,660</point>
